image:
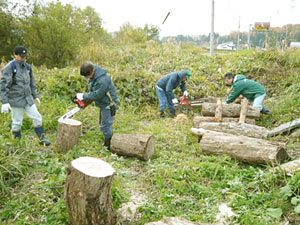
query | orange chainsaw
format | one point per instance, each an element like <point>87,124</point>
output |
<point>80,105</point>
<point>184,101</point>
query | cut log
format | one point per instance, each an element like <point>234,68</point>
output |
<point>290,167</point>
<point>177,221</point>
<point>218,113</point>
<point>229,110</point>
<point>245,129</point>
<point>88,192</point>
<point>67,135</point>
<point>140,146</point>
<point>199,119</point>
<point>251,150</point>
<point>244,109</point>
<point>286,127</point>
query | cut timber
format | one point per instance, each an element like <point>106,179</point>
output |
<point>218,112</point>
<point>229,110</point>
<point>88,192</point>
<point>285,128</point>
<point>140,146</point>
<point>252,150</point>
<point>290,167</point>
<point>245,129</point>
<point>177,221</point>
<point>199,119</point>
<point>67,135</point>
<point>244,109</point>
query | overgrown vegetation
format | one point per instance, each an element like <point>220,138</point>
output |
<point>179,180</point>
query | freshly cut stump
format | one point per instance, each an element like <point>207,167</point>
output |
<point>88,192</point>
<point>67,135</point>
<point>139,145</point>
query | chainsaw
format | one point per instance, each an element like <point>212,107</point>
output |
<point>80,105</point>
<point>184,101</point>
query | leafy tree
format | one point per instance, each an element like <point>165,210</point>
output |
<point>130,34</point>
<point>9,34</point>
<point>54,32</point>
<point>152,32</point>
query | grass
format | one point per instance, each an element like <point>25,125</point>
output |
<point>179,180</point>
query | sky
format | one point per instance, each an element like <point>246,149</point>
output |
<point>193,17</point>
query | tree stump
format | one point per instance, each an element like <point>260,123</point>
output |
<point>88,192</point>
<point>218,112</point>
<point>229,110</point>
<point>67,135</point>
<point>140,146</point>
<point>199,119</point>
<point>244,109</point>
<point>252,150</point>
<point>245,129</point>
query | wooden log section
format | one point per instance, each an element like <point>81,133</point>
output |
<point>140,146</point>
<point>67,134</point>
<point>199,119</point>
<point>245,129</point>
<point>251,150</point>
<point>289,167</point>
<point>218,112</point>
<point>244,109</point>
<point>88,192</point>
<point>229,110</point>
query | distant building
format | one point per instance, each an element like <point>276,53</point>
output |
<point>227,46</point>
<point>295,45</point>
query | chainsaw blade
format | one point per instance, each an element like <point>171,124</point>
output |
<point>69,114</point>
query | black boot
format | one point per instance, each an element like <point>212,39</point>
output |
<point>265,111</point>
<point>17,134</point>
<point>172,113</point>
<point>162,114</point>
<point>107,141</point>
<point>40,133</point>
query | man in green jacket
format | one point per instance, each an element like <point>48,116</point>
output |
<point>102,91</point>
<point>249,89</point>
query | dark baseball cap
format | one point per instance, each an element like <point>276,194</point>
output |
<point>21,50</point>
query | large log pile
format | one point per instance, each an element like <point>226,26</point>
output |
<point>88,192</point>
<point>140,145</point>
<point>252,150</point>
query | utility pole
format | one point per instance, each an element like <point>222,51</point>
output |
<point>212,28</point>
<point>238,37</point>
<point>249,35</point>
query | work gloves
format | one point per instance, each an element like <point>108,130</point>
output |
<point>5,108</point>
<point>175,101</point>
<point>79,96</point>
<point>38,102</point>
<point>185,93</point>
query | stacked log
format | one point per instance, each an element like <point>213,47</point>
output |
<point>248,149</point>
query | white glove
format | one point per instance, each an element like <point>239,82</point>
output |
<point>5,108</point>
<point>79,96</point>
<point>174,100</point>
<point>185,93</point>
<point>38,101</point>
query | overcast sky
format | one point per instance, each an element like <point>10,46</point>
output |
<point>193,17</point>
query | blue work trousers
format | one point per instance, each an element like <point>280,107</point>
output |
<point>106,122</point>
<point>164,100</point>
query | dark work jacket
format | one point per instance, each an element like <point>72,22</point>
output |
<point>171,81</point>
<point>99,85</point>
<point>23,91</point>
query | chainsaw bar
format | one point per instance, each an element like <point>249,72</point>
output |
<point>69,114</point>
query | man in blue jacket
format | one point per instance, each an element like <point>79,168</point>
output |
<point>165,87</point>
<point>103,93</point>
